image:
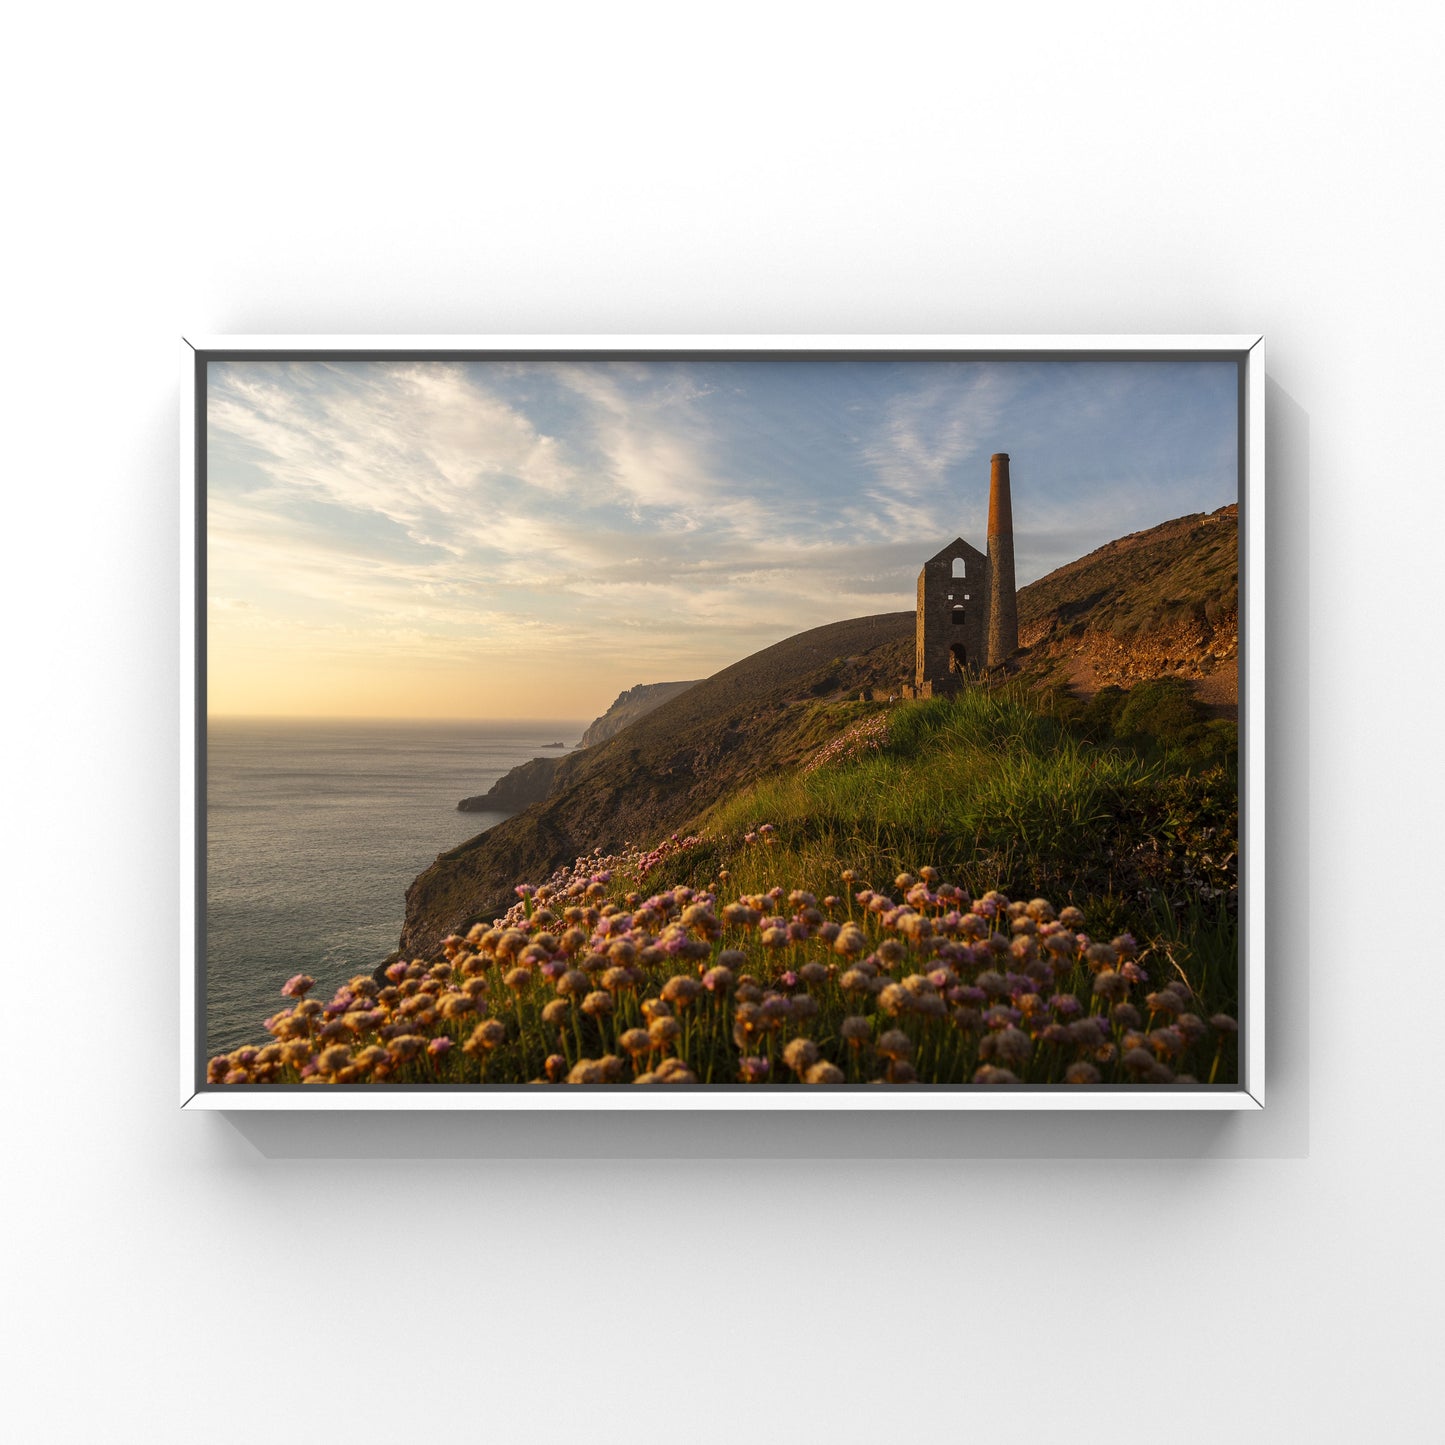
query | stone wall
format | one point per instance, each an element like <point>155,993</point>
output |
<point>942,597</point>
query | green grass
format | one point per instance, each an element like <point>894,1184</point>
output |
<point>996,789</point>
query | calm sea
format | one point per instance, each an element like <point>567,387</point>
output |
<point>315,830</point>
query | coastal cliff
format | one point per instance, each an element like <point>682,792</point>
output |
<point>533,781</point>
<point>516,789</point>
<point>663,769</point>
<point>635,703</point>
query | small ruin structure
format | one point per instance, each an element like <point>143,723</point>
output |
<point>968,619</point>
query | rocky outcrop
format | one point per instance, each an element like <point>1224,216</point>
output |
<point>1192,648</point>
<point>524,785</point>
<point>635,703</point>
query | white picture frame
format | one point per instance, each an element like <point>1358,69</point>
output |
<point>1249,1094</point>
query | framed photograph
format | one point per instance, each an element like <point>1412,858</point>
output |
<point>723,722</point>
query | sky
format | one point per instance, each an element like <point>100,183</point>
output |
<point>526,539</point>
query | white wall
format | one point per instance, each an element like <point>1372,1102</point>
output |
<point>423,168</point>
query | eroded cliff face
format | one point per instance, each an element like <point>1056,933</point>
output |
<point>635,703</point>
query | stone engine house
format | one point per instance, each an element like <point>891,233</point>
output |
<point>968,619</point>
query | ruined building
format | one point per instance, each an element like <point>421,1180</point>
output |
<point>968,618</point>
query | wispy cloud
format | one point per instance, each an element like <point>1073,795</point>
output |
<point>926,436</point>
<point>564,526</point>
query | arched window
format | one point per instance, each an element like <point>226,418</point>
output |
<point>958,616</point>
<point>960,568</point>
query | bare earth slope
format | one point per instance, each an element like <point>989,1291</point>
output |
<point>664,769</point>
<point>1164,602</point>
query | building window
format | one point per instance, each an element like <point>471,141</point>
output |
<point>959,567</point>
<point>958,616</point>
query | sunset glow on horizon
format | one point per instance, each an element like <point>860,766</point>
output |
<point>509,540</point>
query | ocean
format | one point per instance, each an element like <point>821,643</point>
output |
<point>314,831</point>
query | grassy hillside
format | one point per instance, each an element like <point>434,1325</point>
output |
<point>996,790</point>
<point>1147,581</point>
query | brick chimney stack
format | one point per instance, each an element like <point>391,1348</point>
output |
<point>1003,611</point>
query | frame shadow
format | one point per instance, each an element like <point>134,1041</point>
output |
<point>1279,1131</point>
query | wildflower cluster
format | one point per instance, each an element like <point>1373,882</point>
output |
<point>591,875</point>
<point>867,736</point>
<point>920,983</point>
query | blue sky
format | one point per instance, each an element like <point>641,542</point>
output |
<point>525,539</point>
